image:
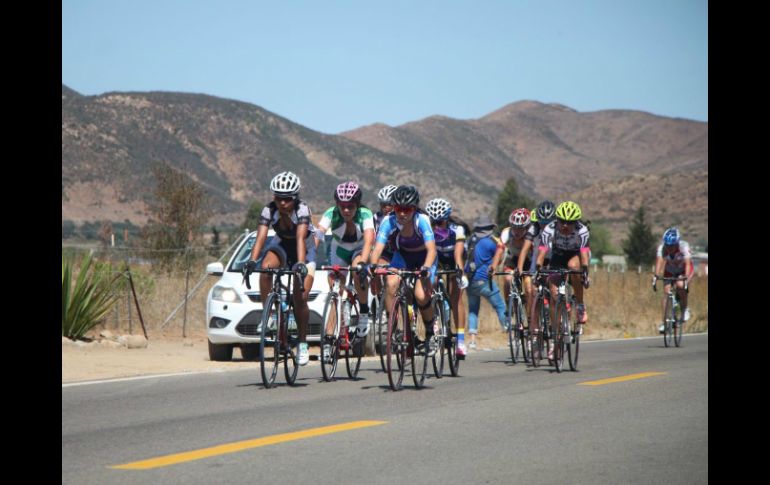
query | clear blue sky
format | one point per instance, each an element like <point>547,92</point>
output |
<point>335,65</point>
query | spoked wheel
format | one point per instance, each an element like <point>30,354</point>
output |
<point>291,358</point>
<point>562,315</point>
<point>513,343</point>
<point>669,317</point>
<point>678,325</point>
<point>354,349</point>
<point>451,345</point>
<point>521,320</point>
<point>536,338</point>
<point>269,344</point>
<point>330,319</point>
<point>574,347</point>
<point>381,329</point>
<point>440,333</point>
<point>418,350</point>
<point>397,344</point>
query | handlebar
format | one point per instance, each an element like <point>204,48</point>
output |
<point>274,271</point>
<point>669,279</point>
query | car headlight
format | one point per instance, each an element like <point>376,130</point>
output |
<point>222,293</point>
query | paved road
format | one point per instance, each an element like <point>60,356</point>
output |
<point>497,423</point>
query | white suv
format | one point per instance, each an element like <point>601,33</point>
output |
<point>233,312</point>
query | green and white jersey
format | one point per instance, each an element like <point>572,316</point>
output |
<point>344,247</point>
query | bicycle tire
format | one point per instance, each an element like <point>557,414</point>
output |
<point>419,357</point>
<point>668,315</point>
<point>451,345</point>
<point>291,357</point>
<point>396,347</point>
<point>268,341</point>
<point>511,328</point>
<point>440,337</point>
<point>574,347</point>
<point>678,326</point>
<point>355,348</point>
<point>521,319</point>
<point>381,327</point>
<point>329,367</point>
<point>557,334</point>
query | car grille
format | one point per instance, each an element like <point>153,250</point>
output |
<point>255,297</point>
<point>249,326</point>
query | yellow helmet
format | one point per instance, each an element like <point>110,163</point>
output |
<point>533,214</point>
<point>568,211</point>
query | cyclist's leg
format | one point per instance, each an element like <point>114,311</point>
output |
<point>361,283</point>
<point>422,291</point>
<point>682,297</point>
<point>577,285</point>
<point>474,303</point>
<point>529,293</point>
<point>273,257</point>
<point>492,293</point>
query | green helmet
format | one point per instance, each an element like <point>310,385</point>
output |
<point>533,214</point>
<point>568,211</point>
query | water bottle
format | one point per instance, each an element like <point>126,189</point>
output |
<point>446,309</point>
<point>345,313</point>
<point>292,323</point>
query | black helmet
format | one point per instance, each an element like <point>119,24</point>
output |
<point>406,195</point>
<point>546,210</point>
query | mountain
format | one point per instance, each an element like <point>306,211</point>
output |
<point>110,143</point>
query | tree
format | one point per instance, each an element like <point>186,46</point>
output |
<point>600,241</point>
<point>178,211</point>
<point>252,216</point>
<point>508,200</point>
<point>640,244</point>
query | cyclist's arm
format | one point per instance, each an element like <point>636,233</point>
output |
<point>368,242</point>
<point>259,243</point>
<point>689,269</point>
<point>660,263</point>
<point>459,248</point>
<point>523,254</point>
<point>301,247</point>
<point>376,252</point>
<point>430,258</point>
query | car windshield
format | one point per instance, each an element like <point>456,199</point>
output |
<point>244,253</point>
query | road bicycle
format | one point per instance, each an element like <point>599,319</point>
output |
<point>566,336</point>
<point>341,313</point>
<point>448,328</point>
<point>673,318</point>
<point>518,333</point>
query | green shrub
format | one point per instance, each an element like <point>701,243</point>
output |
<point>85,302</point>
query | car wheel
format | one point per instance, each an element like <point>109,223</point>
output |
<point>250,351</point>
<point>220,352</point>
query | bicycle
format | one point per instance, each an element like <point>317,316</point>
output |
<point>380,319</point>
<point>342,337</point>
<point>518,335</point>
<point>541,336</point>
<point>275,331</point>
<point>404,340</point>
<point>447,328</point>
<point>565,336</point>
<point>673,326</point>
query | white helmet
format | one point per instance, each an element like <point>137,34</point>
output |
<point>385,194</point>
<point>285,183</point>
<point>438,209</point>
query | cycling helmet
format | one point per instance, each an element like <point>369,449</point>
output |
<point>406,195</point>
<point>386,193</point>
<point>568,211</point>
<point>438,209</point>
<point>519,218</point>
<point>533,215</point>
<point>671,236</point>
<point>545,210</point>
<point>348,191</point>
<point>285,184</point>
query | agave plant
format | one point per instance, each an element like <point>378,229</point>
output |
<point>84,304</point>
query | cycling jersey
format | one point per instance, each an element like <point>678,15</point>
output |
<point>446,238</point>
<point>300,215</point>
<point>345,246</point>
<point>675,260</point>
<point>387,253</point>
<point>410,251</point>
<point>576,241</point>
<point>513,252</point>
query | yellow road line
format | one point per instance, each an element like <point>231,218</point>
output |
<point>621,379</point>
<point>242,445</point>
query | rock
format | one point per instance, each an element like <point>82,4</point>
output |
<point>188,342</point>
<point>111,344</point>
<point>106,334</point>
<point>136,342</point>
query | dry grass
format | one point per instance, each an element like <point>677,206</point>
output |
<point>620,305</point>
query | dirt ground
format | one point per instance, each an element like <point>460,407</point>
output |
<point>170,355</point>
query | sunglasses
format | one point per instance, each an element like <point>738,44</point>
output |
<point>346,205</point>
<point>283,199</point>
<point>566,223</point>
<point>406,209</point>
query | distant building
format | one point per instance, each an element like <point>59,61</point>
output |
<point>614,263</point>
<point>701,263</point>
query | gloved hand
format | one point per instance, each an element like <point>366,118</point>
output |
<point>424,272</point>
<point>251,265</point>
<point>300,268</point>
<point>655,283</point>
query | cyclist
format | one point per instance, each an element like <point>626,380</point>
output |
<point>514,238</point>
<point>293,246</point>
<point>674,258</point>
<point>352,226</point>
<point>410,232</point>
<point>540,218</point>
<point>450,236</point>
<point>485,252</point>
<point>386,207</point>
<point>567,239</point>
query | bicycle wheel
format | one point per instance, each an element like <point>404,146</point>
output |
<point>668,318</point>
<point>509,321</point>
<point>269,344</point>
<point>561,322</point>
<point>439,328</point>
<point>678,325</point>
<point>331,318</point>
<point>521,319</point>
<point>574,347</point>
<point>451,345</point>
<point>355,348</point>
<point>396,346</point>
<point>536,339</point>
<point>418,350</point>
<point>291,356</point>
<point>381,329</point>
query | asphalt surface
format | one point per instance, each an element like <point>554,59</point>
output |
<point>496,423</point>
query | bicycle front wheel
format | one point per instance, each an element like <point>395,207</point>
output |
<point>269,343</point>
<point>418,349</point>
<point>560,323</point>
<point>355,348</point>
<point>381,329</point>
<point>291,357</point>
<point>451,345</point>
<point>396,345</point>
<point>574,347</point>
<point>521,319</point>
<point>439,325</point>
<point>678,326</point>
<point>331,319</point>
<point>669,317</point>
<point>509,321</point>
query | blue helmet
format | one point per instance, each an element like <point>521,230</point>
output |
<point>671,237</point>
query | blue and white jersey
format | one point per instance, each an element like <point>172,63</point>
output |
<point>446,238</point>
<point>390,229</point>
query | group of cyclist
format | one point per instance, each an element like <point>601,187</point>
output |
<point>405,236</point>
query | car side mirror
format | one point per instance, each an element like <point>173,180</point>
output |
<point>215,269</point>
